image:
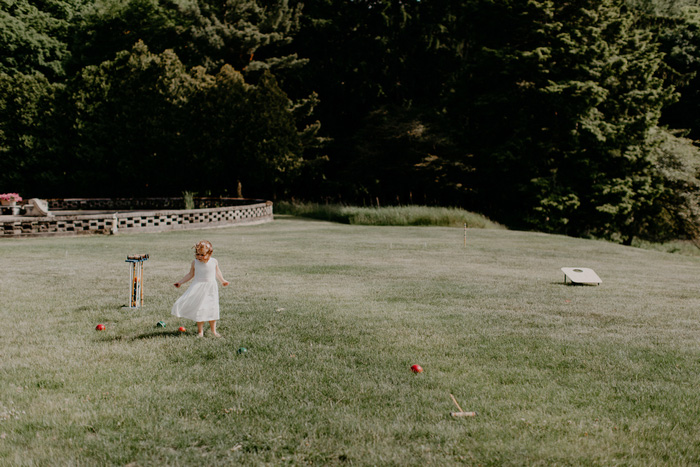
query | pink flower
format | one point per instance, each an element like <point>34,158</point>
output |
<point>10,197</point>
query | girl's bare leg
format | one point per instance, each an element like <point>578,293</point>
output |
<point>212,325</point>
<point>200,328</point>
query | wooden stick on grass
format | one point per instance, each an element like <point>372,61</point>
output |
<point>461,412</point>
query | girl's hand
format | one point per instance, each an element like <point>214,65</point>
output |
<point>177,285</point>
<point>225,283</point>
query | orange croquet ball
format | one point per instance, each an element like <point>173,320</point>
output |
<point>181,329</point>
<point>417,369</point>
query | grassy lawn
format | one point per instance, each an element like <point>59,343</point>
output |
<point>333,316</point>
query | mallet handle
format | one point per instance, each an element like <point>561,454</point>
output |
<point>455,401</point>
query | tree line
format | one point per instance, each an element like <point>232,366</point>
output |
<point>575,117</point>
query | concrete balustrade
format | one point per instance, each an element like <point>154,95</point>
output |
<point>78,216</point>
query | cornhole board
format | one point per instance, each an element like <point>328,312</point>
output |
<point>583,276</point>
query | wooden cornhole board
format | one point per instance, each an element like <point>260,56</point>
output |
<point>583,276</point>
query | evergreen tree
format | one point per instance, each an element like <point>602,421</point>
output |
<point>204,33</point>
<point>677,25</point>
<point>560,121</point>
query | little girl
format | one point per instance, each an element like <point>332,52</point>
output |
<point>200,302</point>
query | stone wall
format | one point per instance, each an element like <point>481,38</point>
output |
<point>142,217</point>
<point>131,204</point>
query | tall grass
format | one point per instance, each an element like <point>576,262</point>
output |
<point>390,215</point>
<point>681,247</point>
<point>188,199</point>
<point>333,316</point>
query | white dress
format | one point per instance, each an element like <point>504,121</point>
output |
<point>201,300</point>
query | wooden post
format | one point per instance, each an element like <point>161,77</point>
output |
<point>141,281</point>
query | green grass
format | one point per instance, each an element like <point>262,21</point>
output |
<point>681,247</point>
<point>391,215</point>
<point>333,316</point>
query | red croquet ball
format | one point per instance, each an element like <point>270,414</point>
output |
<point>181,329</point>
<point>417,369</point>
<point>100,327</point>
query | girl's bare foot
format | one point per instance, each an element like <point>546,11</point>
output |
<point>216,334</point>
<point>200,334</point>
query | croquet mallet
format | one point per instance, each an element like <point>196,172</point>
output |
<point>461,412</point>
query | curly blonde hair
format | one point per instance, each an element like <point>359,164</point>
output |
<point>204,248</point>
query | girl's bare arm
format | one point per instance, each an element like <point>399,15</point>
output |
<point>220,276</point>
<point>187,277</point>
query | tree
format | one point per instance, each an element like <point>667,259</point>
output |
<point>378,83</point>
<point>559,112</point>
<point>31,134</point>
<point>127,116</point>
<point>230,45</point>
<point>145,125</point>
<point>675,213</point>
<point>206,33</point>
<point>677,25</point>
<point>270,139</point>
<point>33,36</point>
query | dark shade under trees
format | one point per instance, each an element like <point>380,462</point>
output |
<point>568,117</point>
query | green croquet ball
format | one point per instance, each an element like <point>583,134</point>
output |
<point>242,350</point>
<point>160,324</point>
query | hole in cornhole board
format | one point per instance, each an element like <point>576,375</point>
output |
<point>583,276</point>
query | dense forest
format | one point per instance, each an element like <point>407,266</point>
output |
<point>575,117</point>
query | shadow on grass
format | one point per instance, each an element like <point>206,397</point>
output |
<point>148,335</point>
<point>574,284</point>
<point>157,334</point>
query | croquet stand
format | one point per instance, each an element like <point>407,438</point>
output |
<point>136,282</point>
